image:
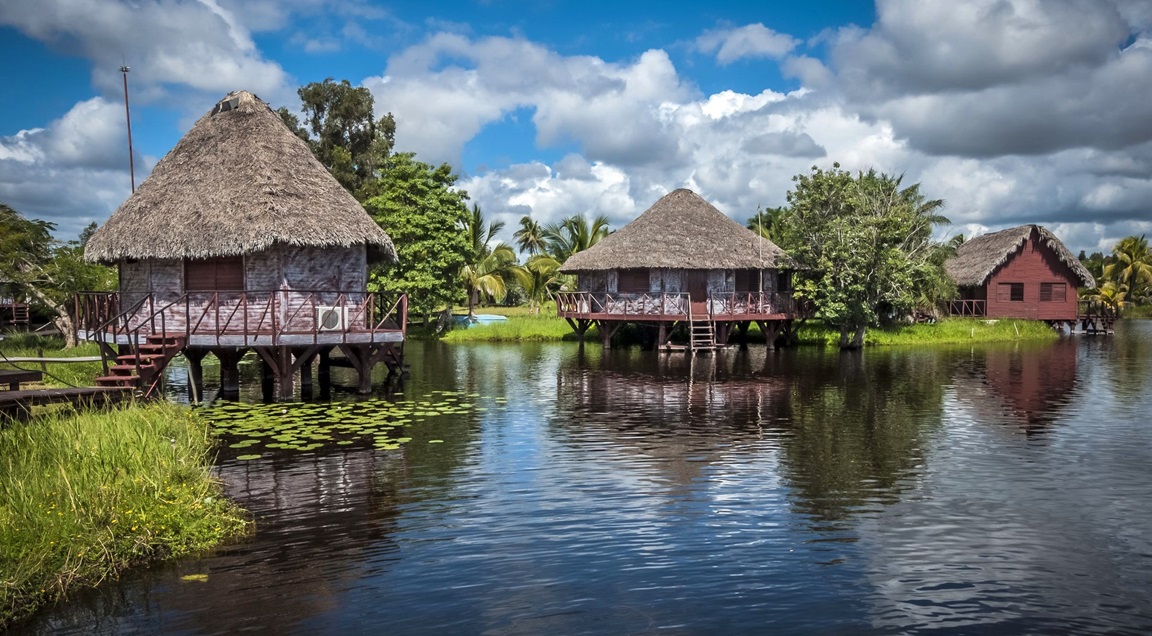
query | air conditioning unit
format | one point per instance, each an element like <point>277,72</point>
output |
<point>331,318</point>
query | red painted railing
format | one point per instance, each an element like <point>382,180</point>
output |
<point>639,306</point>
<point>259,317</point>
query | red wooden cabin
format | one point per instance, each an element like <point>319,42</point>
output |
<point>1023,272</point>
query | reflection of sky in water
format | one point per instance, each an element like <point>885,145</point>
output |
<point>999,489</point>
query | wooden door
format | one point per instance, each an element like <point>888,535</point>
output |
<point>698,292</point>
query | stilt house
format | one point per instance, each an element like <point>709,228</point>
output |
<point>241,240</point>
<point>681,261</point>
<point>1023,272</point>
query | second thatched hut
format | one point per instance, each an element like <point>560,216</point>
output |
<point>681,261</point>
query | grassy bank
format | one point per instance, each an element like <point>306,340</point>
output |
<point>946,331</point>
<point>85,496</point>
<point>1138,311</point>
<point>521,327</point>
<point>58,374</point>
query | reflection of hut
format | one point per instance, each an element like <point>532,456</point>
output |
<point>1023,384</point>
<point>240,239</point>
<point>1023,272</point>
<point>682,261</point>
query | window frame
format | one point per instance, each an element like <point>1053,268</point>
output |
<point>1010,292</point>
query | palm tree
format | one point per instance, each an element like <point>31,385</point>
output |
<point>538,276</point>
<point>766,222</point>
<point>530,237</point>
<point>574,234</point>
<point>1131,267</point>
<point>488,276</point>
<point>486,270</point>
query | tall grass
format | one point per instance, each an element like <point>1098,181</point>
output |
<point>83,497</point>
<point>946,331</point>
<point>18,345</point>
<point>1137,311</point>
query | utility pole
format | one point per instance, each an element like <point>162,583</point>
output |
<point>128,116</point>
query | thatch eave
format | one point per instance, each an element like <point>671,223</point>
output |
<point>680,231</point>
<point>238,182</point>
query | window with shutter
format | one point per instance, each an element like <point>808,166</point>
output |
<point>633,281</point>
<point>214,274</point>
<point>1010,292</point>
<point>747,280</point>
<point>1053,292</point>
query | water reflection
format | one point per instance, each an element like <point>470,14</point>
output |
<point>997,489</point>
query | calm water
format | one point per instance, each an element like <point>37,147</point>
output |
<point>992,490</point>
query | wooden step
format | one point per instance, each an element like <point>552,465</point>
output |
<point>145,358</point>
<point>118,380</point>
<point>131,368</point>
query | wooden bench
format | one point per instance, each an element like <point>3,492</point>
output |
<point>14,377</point>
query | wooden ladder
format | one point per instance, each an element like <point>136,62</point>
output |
<point>140,369</point>
<point>702,336</point>
<point>20,314</point>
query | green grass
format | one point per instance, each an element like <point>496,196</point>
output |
<point>518,328</point>
<point>85,496</point>
<point>946,331</point>
<point>1138,311</point>
<point>66,373</point>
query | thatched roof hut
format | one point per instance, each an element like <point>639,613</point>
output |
<point>681,231</point>
<point>977,259</point>
<point>239,182</point>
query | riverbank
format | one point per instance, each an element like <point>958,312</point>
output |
<point>522,327</point>
<point>86,496</point>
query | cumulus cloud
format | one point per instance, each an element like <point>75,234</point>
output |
<point>71,172</point>
<point>200,46</point>
<point>998,77</point>
<point>747,42</point>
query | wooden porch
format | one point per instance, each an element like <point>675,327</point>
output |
<point>711,319</point>
<point>139,334</point>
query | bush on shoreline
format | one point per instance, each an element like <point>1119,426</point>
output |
<point>86,496</point>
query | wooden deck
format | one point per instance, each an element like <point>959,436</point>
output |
<point>17,403</point>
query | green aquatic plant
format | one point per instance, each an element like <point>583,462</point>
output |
<point>382,424</point>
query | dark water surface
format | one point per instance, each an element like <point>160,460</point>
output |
<point>999,489</point>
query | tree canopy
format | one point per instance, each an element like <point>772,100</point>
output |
<point>866,244</point>
<point>425,217</point>
<point>47,272</point>
<point>340,127</point>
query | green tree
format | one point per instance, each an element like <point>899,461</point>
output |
<point>574,234</point>
<point>423,214</point>
<point>538,277</point>
<point>766,222</point>
<point>488,267</point>
<point>341,129</point>
<point>48,272</point>
<point>1131,268</point>
<point>530,237</point>
<point>866,243</point>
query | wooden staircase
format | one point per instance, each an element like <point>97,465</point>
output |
<point>140,368</point>
<point>702,336</point>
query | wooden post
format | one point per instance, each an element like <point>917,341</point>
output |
<point>325,374</point>
<point>267,381</point>
<point>195,358</point>
<point>229,358</point>
<point>285,372</point>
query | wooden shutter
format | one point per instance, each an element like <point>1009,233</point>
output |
<point>633,281</point>
<point>1053,292</point>
<point>214,274</point>
<point>1010,292</point>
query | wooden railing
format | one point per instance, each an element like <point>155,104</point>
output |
<point>259,317</point>
<point>641,305</point>
<point>1096,309</point>
<point>969,308</point>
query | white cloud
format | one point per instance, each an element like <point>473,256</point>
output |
<point>749,41</point>
<point>71,172</point>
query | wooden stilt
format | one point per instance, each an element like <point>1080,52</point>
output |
<point>195,358</point>
<point>284,372</point>
<point>267,381</point>
<point>325,373</point>
<point>229,358</point>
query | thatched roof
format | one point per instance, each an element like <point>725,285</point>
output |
<point>238,182</point>
<point>681,231</point>
<point>978,258</point>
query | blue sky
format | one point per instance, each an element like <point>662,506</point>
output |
<point>1012,111</point>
